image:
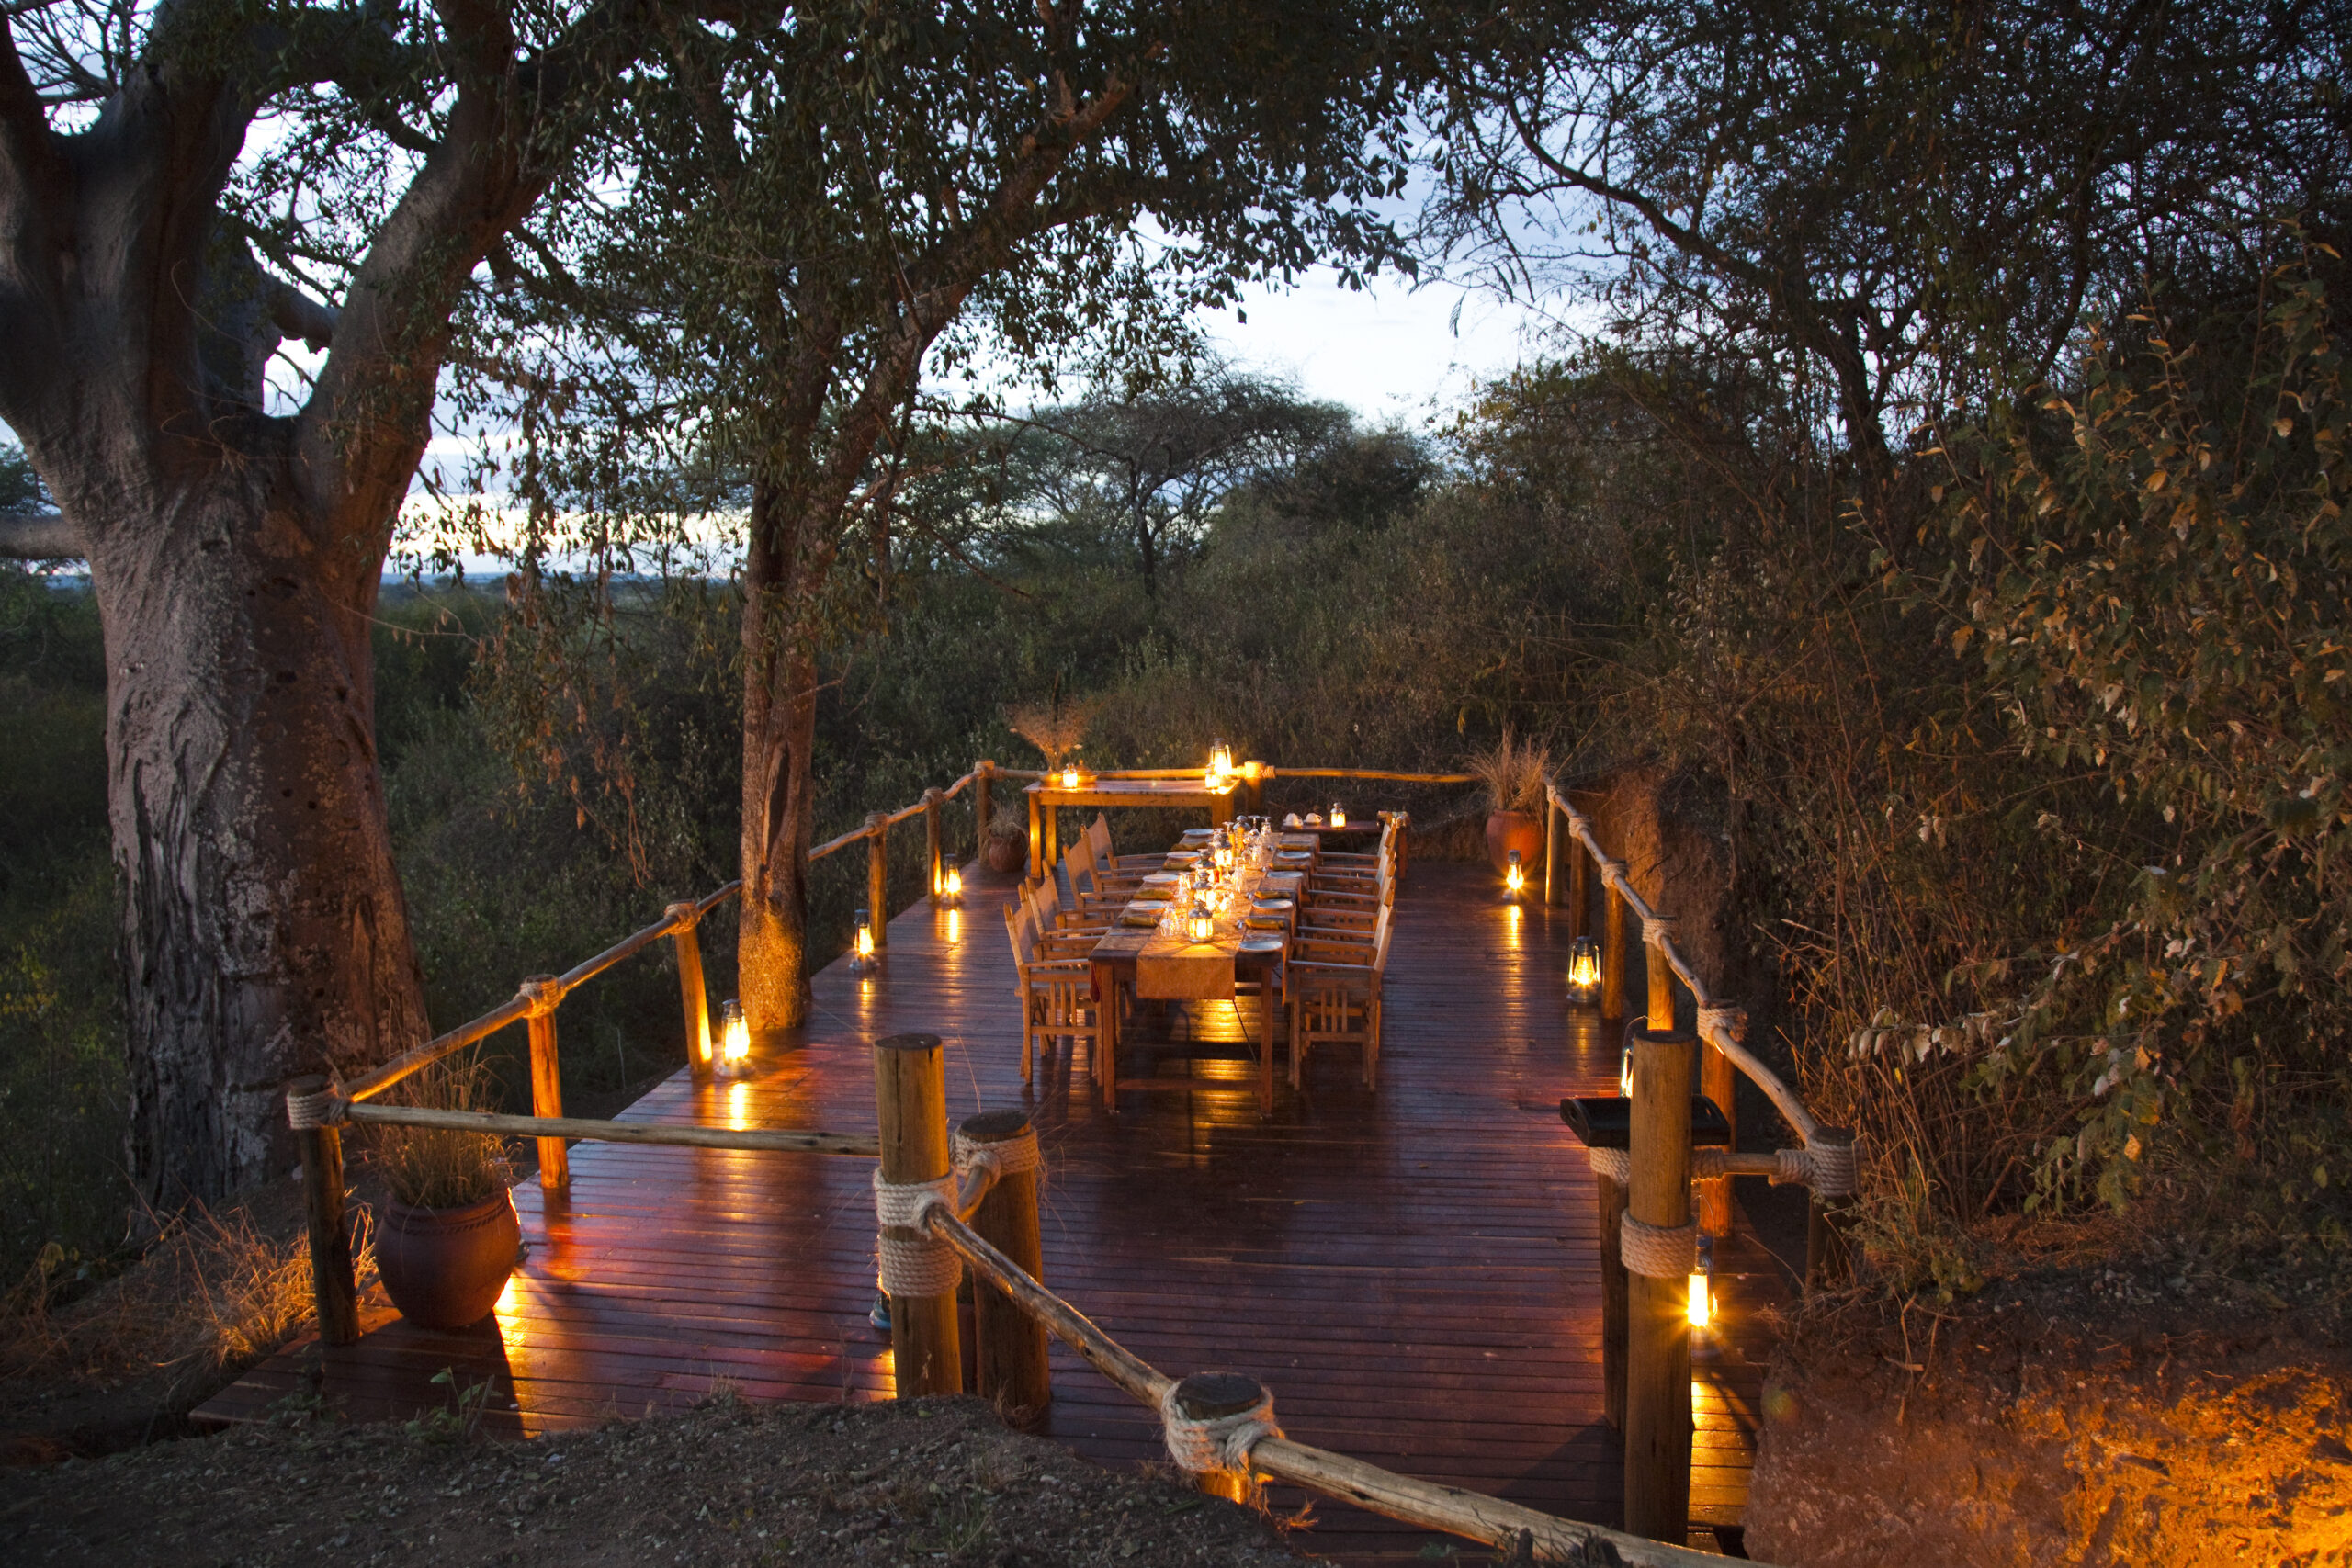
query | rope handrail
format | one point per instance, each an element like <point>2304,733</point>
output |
<point>766,1140</point>
<point>1713,1030</point>
<point>1453,1510</point>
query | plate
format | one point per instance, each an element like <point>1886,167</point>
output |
<point>1262,944</point>
<point>1141,919</point>
<point>1270,902</point>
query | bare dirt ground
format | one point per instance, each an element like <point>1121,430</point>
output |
<point>920,1480</point>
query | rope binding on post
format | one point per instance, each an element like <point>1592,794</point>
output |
<point>1214,1445</point>
<point>1613,1165</point>
<point>914,1263</point>
<point>321,1108</point>
<point>1657,929</point>
<point>1658,1252</point>
<point>541,993</point>
<point>1831,1160</point>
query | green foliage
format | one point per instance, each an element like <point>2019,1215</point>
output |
<point>2157,568</point>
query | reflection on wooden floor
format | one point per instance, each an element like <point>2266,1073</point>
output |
<point>1412,1271</point>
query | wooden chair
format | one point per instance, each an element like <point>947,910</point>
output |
<point>1335,993</point>
<point>1336,910</point>
<point>1057,995</point>
<point>1391,849</point>
<point>1044,918</point>
<point>1117,866</point>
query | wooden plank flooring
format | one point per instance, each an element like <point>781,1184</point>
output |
<point>1412,1271</point>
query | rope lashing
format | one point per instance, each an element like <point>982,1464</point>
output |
<point>1615,1165</point>
<point>322,1108</point>
<point>1658,1252</point>
<point>1723,1017</point>
<point>683,916</point>
<point>1220,1444</point>
<point>981,1163</point>
<point>1657,929</point>
<point>541,994</point>
<point>913,1262</point>
<point>1830,1159</point>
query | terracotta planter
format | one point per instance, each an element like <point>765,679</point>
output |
<point>1004,856</point>
<point>1520,830</point>
<point>445,1268</point>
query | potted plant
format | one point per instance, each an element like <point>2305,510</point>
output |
<point>1513,772</point>
<point>1008,838</point>
<point>448,1238</point>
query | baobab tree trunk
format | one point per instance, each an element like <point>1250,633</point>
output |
<point>779,782</point>
<point>264,934</point>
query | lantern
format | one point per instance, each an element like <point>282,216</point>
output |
<point>951,886</point>
<point>863,955</point>
<point>734,1041</point>
<point>1225,857</point>
<point>1584,971</point>
<point>1339,814</point>
<point>1220,762</point>
<point>1514,877</point>
<point>1069,775</point>
<point>1702,1310</point>
<point>1200,925</point>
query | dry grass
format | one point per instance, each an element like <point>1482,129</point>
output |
<point>1514,772</point>
<point>1057,727</point>
<point>214,1293</point>
<point>438,1167</point>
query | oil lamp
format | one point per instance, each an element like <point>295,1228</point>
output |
<point>1514,877</point>
<point>1220,762</point>
<point>951,886</point>
<point>1200,925</point>
<point>734,1041</point>
<point>863,958</point>
<point>1702,1310</point>
<point>1339,814</point>
<point>1584,971</point>
<point>1069,775</point>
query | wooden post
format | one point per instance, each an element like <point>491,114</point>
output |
<point>1253,787</point>
<point>1555,844</point>
<point>1610,1193</point>
<point>910,1107</point>
<point>1717,1082</point>
<point>1658,973</point>
<point>1612,960</point>
<point>1209,1397</point>
<point>877,877</point>
<point>1579,890</point>
<point>333,1292</point>
<point>932,861</point>
<point>1827,1262</point>
<point>1012,1371</point>
<point>547,1077</point>
<point>1657,1329</point>
<point>983,802</point>
<point>692,998</point>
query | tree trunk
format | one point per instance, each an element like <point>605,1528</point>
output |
<point>263,927</point>
<point>779,785</point>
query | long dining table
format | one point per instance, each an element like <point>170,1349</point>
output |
<point>1250,942</point>
<point>1049,793</point>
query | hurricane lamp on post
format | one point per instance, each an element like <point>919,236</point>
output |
<point>1514,877</point>
<point>1584,972</point>
<point>734,1041</point>
<point>1200,925</point>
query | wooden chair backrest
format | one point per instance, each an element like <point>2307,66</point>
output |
<point>1098,841</point>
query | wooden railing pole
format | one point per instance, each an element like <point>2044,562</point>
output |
<point>983,802</point>
<point>933,860</point>
<point>1718,1082</point>
<point>1612,960</point>
<point>910,1107</point>
<point>547,1077</point>
<point>1036,838</point>
<point>1555,845</point>
<point>694,1000</point>
<point>877,876</point>
<point>1658,973</point>
<point>1827,1262</point>
<point>1011,1362</point>
<point>1657,1330</point>
<point>1580,889</point>
<point>335,1293</point>
<point>1611,1195</point>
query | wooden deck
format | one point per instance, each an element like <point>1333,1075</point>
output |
<point>1412,1271</point>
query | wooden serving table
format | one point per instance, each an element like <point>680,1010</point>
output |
<point>1048,792</point>
<point>1158,966</point>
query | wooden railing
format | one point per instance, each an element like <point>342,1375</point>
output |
<point>1646,1190</point>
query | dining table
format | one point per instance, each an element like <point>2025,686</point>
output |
<point>1051,792</point>
<point>1249,942</point>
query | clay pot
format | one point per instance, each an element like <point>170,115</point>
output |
<point>1004,856</point>
<point>445,1268</point>
<point>1520,830</point>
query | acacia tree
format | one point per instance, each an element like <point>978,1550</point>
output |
<point>169,176</point>
<point>811,219</point>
